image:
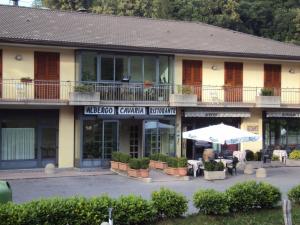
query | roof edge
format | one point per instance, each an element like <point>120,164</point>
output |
<point>147,49</point>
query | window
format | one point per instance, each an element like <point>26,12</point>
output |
<point>89,66</point>
<point>107,68</point>
<point>121,68</point>
<point>163,69</point>
<point>134,141</point>
<point>150,68</point>
<point>136,69</point>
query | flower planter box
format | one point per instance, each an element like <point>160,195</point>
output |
<point>82,98</point>
<point>268,101</point>
<point>133,172</point>
<point>171,171</point>
<point>144,173</point>
<point>214,175</point>
<point>182,171</point>
<point>114,165</point>
<point>152,164</point>
<point>160,165</point>
<point>123,166</point>
<point>183,100</point>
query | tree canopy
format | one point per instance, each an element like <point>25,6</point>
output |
<point>276,19</point>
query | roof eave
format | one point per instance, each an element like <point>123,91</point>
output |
<point>146,49</point>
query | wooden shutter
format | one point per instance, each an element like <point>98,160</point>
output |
<point>1,73</point>
<point>192,72</point>
<point>272,77</point>
<point>233,82</point>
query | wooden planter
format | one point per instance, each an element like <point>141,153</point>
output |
<point>171,171</point>
<point>160,165</point>
<point>182,171</point>
<point>214,175</point>
<point>152,164</point>
<point>123,166</point>
<point>114,165</point>
<point>144,173</point>
<point>133,172</point>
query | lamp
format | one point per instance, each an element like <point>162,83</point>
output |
<point>214,67</point>
<point>18,57</point>
<point>291,70</point>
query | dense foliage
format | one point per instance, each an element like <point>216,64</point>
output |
<point>294,194</point>
<point>211,202</point>
<point>169,204</point>
<point>295,154</point>
<point>276,19</point>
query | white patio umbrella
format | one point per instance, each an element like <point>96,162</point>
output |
<point>221,134</point>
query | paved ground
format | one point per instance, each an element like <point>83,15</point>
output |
<point>115,185</point>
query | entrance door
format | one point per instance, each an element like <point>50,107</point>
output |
<point>192,76</point>
<point>0,73</point>
<point>48,145</point>
<point>272,78</point>
<point>233,82</point>
<point>46,75</point>
<point>110,138</point>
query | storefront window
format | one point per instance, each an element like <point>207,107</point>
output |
<point>159,137</point>
<point>89,66</point>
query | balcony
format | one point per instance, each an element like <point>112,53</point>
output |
<point>38,92</point>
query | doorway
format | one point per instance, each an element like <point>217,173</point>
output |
<point>48,145</point>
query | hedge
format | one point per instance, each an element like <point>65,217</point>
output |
<point>294,194</point>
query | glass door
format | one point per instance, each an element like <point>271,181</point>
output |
<point>110,138</point>
<point>48,145</point>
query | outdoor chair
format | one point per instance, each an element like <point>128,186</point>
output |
<point>232,166</point>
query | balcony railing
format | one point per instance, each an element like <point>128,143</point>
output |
<point>84,93</point>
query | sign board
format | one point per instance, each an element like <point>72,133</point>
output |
<point>99,110</point>
<point>217,114</point>
<point>253,128</point>
<point>156,111</point>
<point>283,114</point>
<point>132,110</point>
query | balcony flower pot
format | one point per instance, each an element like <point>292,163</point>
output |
<point>182,171</point>
<point>183,99</point>
<point>268,101</point>
<point>171,171</point>
<point>182,166</point>
<point>214,175</point>
<point>26,80</point>
<point>144,173</point>
<point>114,165</point>
<point>123,166</point>
<point>134,172</point>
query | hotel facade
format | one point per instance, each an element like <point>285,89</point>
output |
<point>77,86</point>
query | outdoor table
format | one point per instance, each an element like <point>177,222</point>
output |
<point>282,154</point>
<point>241,155</point>
<point>195,164</point>
<point>224,161</point>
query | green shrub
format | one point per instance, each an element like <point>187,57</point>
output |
<point>124,158</point>
<point>135,163</point>
<point>182,162</point>
<point>294,194</point>
<point>144,163</point>
<point>162,157</point>
<point>249,155</point>
<point>213,166</point>
<point>275,158</point>
<point>133,210</point>
<point>211,202</point>
<point>251,195</point>
<point>84,88</point>
<point>266,92</point>
<point>295,154</point>
<point>172,162</point>
<point>154,157</point>
<point>169,204</point>
<point>115,156</point>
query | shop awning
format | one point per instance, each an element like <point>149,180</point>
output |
<point>285,114</point>
<point>217,113</point>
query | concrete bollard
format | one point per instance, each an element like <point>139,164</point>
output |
<point>248,169</point>
<point>261,173</point>
<point>50,168</point>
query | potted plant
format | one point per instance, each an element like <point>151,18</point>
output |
<point>26,79</point>
<point>148,83</point>
<point>267,98</point>
<point>115,159</point>
<point>172,166</point>
<point>214,170</point>
<point>124,159</point>
<point>161,163</point>
<point>182,166</point>
<point>153,159</point>
<point>184,95</point>
<point>144,171</point>
<point>85,93</point>
<point>134,167</point>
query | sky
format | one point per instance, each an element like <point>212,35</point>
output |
<point>27,3</point>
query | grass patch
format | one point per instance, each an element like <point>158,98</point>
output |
<point>261,217</point>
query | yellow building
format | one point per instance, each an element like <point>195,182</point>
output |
<point>77,86</point>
